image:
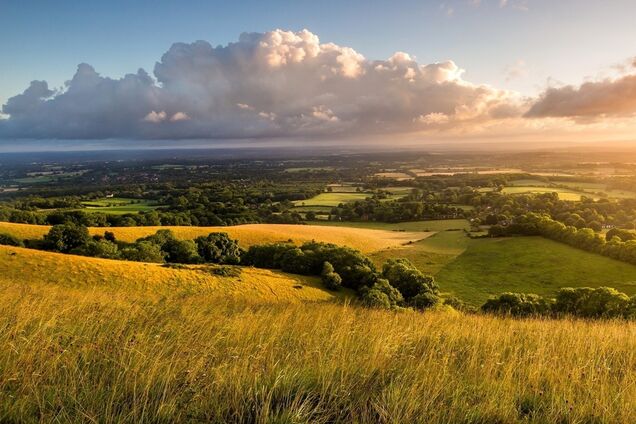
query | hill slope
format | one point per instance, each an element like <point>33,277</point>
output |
<point>27,267</point>
<point>76,355</point>
<point>365,240</point>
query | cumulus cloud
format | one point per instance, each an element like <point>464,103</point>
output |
<point>274,84</point>
<point>596,99</point>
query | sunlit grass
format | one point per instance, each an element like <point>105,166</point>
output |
<point>74,355</point>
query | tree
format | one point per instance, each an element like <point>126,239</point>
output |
<point>65,237</point>
<point>181,251</point>
<point>329,277</point>
<point>218,248</point>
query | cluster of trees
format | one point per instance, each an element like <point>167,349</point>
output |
<point>399,284</point>
<point>160,247</point>
<point>618,244</point>
<point>495,208</point>
<point>583,302</point>
<point>375,209</point>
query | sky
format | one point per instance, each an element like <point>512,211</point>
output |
<point>520,70</point>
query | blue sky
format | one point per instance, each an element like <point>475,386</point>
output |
<point>566,39</point>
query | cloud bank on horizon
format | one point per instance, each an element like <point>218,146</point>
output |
<point>283,84</point>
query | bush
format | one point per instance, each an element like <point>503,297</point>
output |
<point>381,295</point>
<point>218,248</point>
<point>425,300</point>
<point>66,237</point>
<point>405,277</point>
<point>10,240</point>
<point>518,304</point>
<point>330,278</point>
<point>602,302</point>
<point>226,271</point>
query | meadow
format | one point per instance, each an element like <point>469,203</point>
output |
<point>95,355</point>
<point>119,205</point>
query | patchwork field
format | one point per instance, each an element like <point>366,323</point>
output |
<point>366,240</point>
<point>27,267</point>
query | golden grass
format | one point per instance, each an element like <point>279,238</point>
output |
<point>27,266</point>
<point>77,355</point>
<point>365,240</point>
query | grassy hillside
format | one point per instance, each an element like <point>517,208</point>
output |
<point>475,269</point>
<point>365,240</point>
<point>78,355</point>
<point>27,267</point>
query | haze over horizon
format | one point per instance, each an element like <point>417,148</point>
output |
<point>437,73</point>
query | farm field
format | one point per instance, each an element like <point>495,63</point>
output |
<point>363,239</point>
<point>27,267</point>
<point>119,206</point>
<point>88,355</point>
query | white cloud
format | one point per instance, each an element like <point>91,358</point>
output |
<point>275,84</point>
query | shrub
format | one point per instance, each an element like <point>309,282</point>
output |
<point>405,277</point>
<point>329,277</point>
<point>381,295</point>
<point>518,304</point>
<point>10,240</point>
<point>425,300</point>
<point>592,303</point>
<point>218,248</point>
<point>226,271</point>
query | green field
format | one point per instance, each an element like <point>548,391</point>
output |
<point>332,199</point>
<point>475,269</point>
<point>120,205</point>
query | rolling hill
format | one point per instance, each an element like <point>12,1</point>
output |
<point>27,267</point>
<point>363,239</point>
